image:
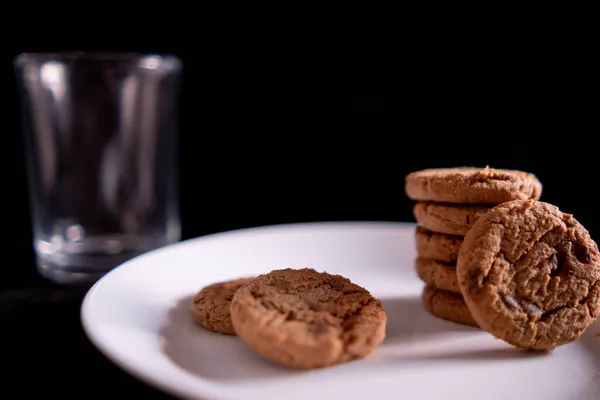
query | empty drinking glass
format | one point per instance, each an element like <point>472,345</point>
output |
<point>101,141</point>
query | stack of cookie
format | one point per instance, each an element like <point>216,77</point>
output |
<point>448,202</point>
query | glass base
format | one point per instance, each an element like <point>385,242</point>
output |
<point>66,277</point>
<point>78,268</point>
<point>88,260</point>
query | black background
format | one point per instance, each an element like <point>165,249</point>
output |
<point>278,129</point>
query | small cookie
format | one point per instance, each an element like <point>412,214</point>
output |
<point>447,305</point>
<point>306,319</point>
<point>472,185</point>
<point>438,274</point>
<point>451,219</point>
<point>210,306</point>
<point>437,246</point>
<point>530,275</point>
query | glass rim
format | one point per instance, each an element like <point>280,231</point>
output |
<point>144,60</point>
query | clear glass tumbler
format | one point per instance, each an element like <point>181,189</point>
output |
<point>101,141</point>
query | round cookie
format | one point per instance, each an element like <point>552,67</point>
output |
<point>306,319</point>
<point>210,306</point>
<point>472,185</point>
<point>437,274</point>
<point>437,246</point>
<point>530,275</point>
<point>447,305</point>
<point>451,219</point>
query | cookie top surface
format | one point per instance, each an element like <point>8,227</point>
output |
<point>210,306</point>
<point>308,319</point>
<point>468,185</point>
<point>530,275</point>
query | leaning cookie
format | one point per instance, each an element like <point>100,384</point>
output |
<point>530,274</point>
<point>210,306</point>
<point>308,319</point>
<point>472,185</point>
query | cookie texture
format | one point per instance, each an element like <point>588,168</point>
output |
<point>437,246</point>
<point>530,275</point>
<point>306,319</point>
<point>210,306</point>
<point>472,185</point>
<point>438,274</point>
<point>451,219</point>
<point>447,305</point>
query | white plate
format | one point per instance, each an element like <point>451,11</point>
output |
<point>138,316</point>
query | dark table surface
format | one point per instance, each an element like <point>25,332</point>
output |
<point>41,337</point>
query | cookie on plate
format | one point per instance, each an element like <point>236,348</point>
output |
<point>447,305</point>
<point>530,274</point>
<point>438,274</point>
<point>437,246</point>
<point>451,219</point>
<point>210,306</point>
<point>306,319</point>
<point>467,185</point>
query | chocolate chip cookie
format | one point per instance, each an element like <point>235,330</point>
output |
<point>210,306</point>
<point>437,246</point>
<point>306,319</point>
<point>451,219</point>
<point>530,274</point>
<point>467,185</point>
<point>447,305</point>
<point>438,274</point>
